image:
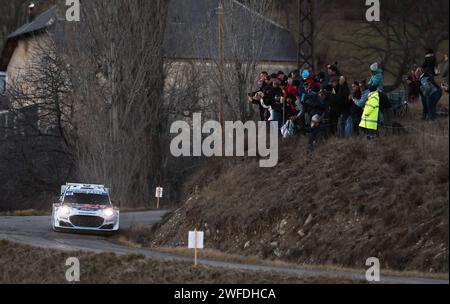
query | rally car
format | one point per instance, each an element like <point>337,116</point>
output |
<point>85,208</point>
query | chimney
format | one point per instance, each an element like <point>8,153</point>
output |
<point>31,12</point>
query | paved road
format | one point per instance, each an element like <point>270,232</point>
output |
<point>36,231</point>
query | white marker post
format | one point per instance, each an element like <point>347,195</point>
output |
<point>196,241</point>
<point>158,195</point>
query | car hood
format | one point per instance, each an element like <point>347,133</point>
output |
<point>86,207</point>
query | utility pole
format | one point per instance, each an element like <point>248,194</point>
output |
<point>306,34</point>
<point>221,34</point>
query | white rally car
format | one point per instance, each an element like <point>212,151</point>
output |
<point>85,208</point>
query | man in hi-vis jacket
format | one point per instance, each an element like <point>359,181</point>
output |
<point>371,115</point>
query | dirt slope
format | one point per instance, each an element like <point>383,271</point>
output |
<point>346,202</point>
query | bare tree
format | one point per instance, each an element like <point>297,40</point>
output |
<point>116,62</point>
<point>245,37</point>
<point>400,39</point>
<point>36,151</point>
<point>245,50</point>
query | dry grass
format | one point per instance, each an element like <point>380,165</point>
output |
<point>24,265</point>
<point>254,260</point>
<point>387,198</point>
<point>142,233</point>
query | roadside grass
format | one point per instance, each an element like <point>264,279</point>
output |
<point>142,232</point>
<point>21,264</point>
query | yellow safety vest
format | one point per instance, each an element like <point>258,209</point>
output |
<point>371,113</point>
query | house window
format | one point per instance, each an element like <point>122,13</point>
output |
<point>2,83</point>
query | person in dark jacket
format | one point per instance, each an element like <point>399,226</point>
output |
<point>345,122</point>
<point>315,106</point>
<point>339,105</point>
<point>430,63</point>
<point>272,102</point>
<point>356,111</point>
<point>445,75</point>
<point>430,92</point>
<point>413,86</point>
<point>255,97</point>
<point>332,72</point>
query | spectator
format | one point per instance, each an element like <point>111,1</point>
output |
<point>339,105</point>
<point>295,75</point>
<point>370,117</point>
<point>282,77</point>
<point>315,106</point>
<point>358,98</point>
<point>333,71</point>
<point>430,92</point>
<point>429,65</point>
<point>291,88</point>
<point>385,104</point>
<point>256,100</point>
<point>271,101</point>
<point>377,79</point>
<point>345,122</point>
<point>290,112</point>
<point>413,86</point>
<point>445,72</point>
<point>310,78</point>
<point>255,97</point>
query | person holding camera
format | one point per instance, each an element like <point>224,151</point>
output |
<point>315,107</point>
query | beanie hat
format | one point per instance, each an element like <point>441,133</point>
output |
<point>374,67</point>
<point>305,74</point>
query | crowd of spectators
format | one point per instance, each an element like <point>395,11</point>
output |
<point>325,103</point>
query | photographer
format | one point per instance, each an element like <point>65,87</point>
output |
<point>255,98</point>
<point>315,106</point>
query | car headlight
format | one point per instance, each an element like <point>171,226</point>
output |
<point>64,210</point>
<point>108,212</point>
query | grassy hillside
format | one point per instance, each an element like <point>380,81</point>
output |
<point>348,201</point>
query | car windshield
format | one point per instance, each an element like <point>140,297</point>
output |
<point>86,199</point>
